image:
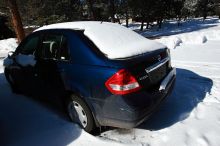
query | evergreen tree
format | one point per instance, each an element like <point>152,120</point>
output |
<point>204,7</point>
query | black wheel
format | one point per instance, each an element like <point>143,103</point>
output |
<point>80,113</point>
<point>11,81</point>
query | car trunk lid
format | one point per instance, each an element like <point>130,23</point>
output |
<point>149,69</point>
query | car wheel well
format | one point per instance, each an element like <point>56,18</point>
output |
<point>70,93</point>
<point>13,86</point>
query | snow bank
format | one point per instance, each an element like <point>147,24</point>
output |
<point>192,31</point>
<point>212,34</point>
<point>7,46</point>
<point>197,39</point>
<point>112,39</point>
<point>173,41</point>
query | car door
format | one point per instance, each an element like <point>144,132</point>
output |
<point>54,52</point>
<point>23,68</point>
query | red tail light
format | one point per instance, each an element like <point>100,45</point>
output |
<point>122,83</point>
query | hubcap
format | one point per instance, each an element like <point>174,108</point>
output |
<point>76,112</point>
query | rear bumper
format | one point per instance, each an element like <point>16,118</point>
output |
<point>131,110</point>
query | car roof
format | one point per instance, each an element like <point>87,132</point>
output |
<point>112,39</point>
<point>77,25</point>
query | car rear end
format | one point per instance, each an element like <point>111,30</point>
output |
<point>123,79</point>
<point>136,88</point>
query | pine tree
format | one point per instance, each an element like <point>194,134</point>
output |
<point>204,7</point>
<point>217,7</point>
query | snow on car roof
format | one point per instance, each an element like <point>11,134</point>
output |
<point>112,39</point>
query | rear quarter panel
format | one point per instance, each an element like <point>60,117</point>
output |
<point>89,82</point>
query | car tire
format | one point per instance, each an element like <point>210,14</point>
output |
<point>11,82</point>
<point>80,113</point>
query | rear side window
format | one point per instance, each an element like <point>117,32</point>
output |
<point>55,46</point>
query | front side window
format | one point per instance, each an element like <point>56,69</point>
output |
<point>55,46</point>
<point>29,46</point>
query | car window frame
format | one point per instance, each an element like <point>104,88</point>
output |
<point>54,32</point>
<point>20,46</point>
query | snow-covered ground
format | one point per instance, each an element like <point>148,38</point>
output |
<point>7,46</point>
<point>189,117</point>
<point>192,31</point>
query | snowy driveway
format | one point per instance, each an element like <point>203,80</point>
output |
<point>190,116</point>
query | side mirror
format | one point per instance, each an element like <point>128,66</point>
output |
<point>10,54</point>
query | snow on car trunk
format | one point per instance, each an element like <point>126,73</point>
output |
<point>114,40</point>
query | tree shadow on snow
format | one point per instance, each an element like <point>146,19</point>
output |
<point>190,89</point>
<point>170,28</point>
<point>23,121</point>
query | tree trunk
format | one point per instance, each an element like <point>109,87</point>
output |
<point>16,20</point>
<point>119,22</point>
<point>91,10</point>
<point>142,24</point>
<point>204,13</point>
<point>148,23</point>
<point>160,25</point>
<point>205,9</point>
<point>179,21</point>
<point>126,13</point>
<point>112,10</point>
<point>159,22</point>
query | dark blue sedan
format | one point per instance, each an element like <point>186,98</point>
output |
<point>106,74</point>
